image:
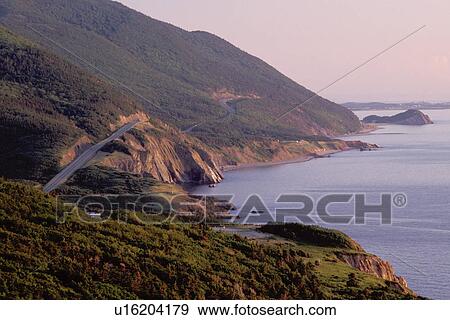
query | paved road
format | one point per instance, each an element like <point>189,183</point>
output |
<point>84,158</point>
<point>231,109</point>
<point>229,106</point>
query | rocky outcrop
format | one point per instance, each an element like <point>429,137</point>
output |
<point>361,145</point>
<point>409,117</point>
<point>276,151</point>
<point>123,120</point>
<point>227,94</point>
<point>75,150</point>
<point>374,265</point>
<point>163,153</point>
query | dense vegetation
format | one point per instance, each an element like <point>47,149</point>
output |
<point>43,259</point>
<point>46,104</point>
<point>408,117</point>
<point>102,180</point>
<point>84,259</point>
<point>178,70</point>
<point>314,235</point>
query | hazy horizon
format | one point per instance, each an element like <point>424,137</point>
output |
<point>314,42</point>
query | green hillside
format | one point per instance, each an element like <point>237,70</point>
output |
<point>46,105</point>
<point>177,70</point>
<point>82,259</point>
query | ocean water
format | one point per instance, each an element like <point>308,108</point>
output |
<point>414,160</point>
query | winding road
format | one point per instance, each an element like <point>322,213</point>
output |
<point>90,153</point>
<point>85,157</point>
<point>231,110</point>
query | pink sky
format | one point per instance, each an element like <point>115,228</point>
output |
<point>314,42</point>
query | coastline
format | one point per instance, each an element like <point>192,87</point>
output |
<point>299,159</point>
<point>367,128</point>
<point>365,262</point>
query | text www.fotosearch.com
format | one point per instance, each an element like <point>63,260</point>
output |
<point>248,310</point>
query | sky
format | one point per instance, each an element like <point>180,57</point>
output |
<point>315,42</point>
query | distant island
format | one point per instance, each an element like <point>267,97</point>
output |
<point>396,106</point>
<point>410,117</point>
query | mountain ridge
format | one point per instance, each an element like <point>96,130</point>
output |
<point>180,70</point>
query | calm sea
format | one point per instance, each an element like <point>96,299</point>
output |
<point>414,160</point>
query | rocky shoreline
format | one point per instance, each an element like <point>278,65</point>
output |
<point>342,146</point>
<point>354,256</point>
<point>291,155</point>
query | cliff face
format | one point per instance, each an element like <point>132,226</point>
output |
<point>279,151</point>
<point>74,151</point>
<point>163,153</point>
<point>168,155</point>
<point>337,256</point>
<point>376,266</point>
<point>409,117</point>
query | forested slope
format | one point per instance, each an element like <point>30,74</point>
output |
<point>49,105</point>
<point>84,259</point>
<point>184,73</point>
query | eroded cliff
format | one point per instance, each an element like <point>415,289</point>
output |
<point>274,151</point>
<point>339,245</point>
<point>376,266</point>
<point>162,152</point>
